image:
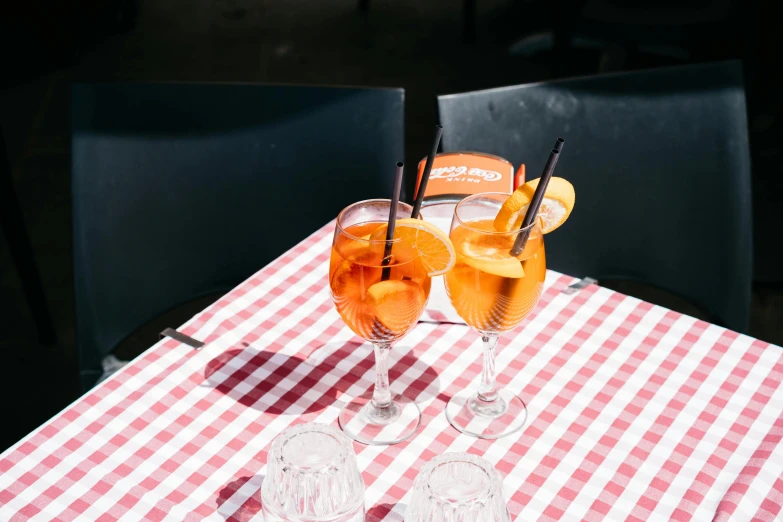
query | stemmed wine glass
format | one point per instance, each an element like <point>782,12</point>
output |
<point>493,291</point>
<point>380,303</point>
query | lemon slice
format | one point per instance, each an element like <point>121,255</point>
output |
<point>433,246</point>
<point>555,208</point>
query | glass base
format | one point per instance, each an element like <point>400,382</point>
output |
<point>486,420</point>
<point>355,514</point>
<point>365,423</point>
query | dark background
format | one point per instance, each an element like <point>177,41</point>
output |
<point>418,45</point>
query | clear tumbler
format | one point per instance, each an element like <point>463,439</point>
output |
<point>457,487</point>
<point>312,476</point>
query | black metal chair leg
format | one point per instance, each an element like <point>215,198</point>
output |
<point>13,227</point>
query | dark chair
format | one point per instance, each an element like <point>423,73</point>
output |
<point>13,227</point>
<point>660,163</point>
<point>185,190</point>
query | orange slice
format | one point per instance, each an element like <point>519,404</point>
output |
<point>490,253</point>
<point>433,246</point>
<point>555,208</point>
<point>508,267</point>
<point>397,304</point>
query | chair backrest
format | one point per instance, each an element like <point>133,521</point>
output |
<point>184,190</point>
<point>660,163</point>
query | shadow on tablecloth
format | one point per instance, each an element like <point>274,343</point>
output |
<point>228,508</point>
<point>251,503</point>
<point>352,360</point>
<point>386,513</point>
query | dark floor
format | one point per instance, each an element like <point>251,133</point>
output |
<point>416,45</point>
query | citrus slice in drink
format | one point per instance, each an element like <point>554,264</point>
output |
<point>397,304</point>
<point>508,267</point>
<point>490,253</point>
<point>555,208</point>
<point>433,246</point>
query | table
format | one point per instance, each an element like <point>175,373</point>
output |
<point>636,411</point>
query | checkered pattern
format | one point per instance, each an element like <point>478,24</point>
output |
<point>636,412</point>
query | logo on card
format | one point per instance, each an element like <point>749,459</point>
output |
<point>463,173</point>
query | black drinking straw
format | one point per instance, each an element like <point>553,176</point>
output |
<point>425,176</point>
<point>387,249</point>
<point>538,197</point>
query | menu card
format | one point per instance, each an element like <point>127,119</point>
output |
<point>454,176</point>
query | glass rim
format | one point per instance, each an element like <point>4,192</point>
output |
<point>488,232</point>
<point>364,202</point>
<point>494,478</point>
<point>278,445</point>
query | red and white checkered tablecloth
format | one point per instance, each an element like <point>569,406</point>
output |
<point>636,412</point>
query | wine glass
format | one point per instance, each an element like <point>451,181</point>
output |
<point>380,298</point>
<point>493,291</point>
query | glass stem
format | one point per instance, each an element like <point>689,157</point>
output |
<point>488,391</point>
<point>381,395</point>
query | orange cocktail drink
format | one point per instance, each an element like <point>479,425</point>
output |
<point>376,309</point>
<point>380,281</point>
<point>490,289</point>
<point>493,289</point>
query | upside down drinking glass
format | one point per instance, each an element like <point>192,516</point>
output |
<point>493,291</point>
<point>380,303</point>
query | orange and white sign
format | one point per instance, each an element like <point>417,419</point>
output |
<point>466,173</point>
<point>456,175</point>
